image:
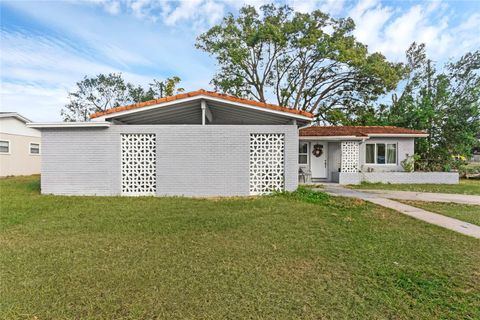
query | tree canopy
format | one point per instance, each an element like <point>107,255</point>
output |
<point>445,103</point>
<point>105,91</point>
<point>306,61</point>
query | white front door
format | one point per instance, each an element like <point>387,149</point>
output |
<point>318,159</point>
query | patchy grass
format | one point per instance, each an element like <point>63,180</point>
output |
<point>464,212</point>
<point>465,186</point>
<point>313,186</point>
<point>293,255</point>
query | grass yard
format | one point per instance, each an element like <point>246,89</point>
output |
<point>464,187</point>
<point>464,212</point>
<point>300,255</point>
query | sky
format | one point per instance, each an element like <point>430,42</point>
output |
<point>47,46</point>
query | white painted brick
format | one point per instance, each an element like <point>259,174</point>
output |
<point>192,160</point>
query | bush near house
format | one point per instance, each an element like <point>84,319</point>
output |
<point>470,171</point>
<point>293,255</point>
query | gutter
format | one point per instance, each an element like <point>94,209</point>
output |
<point>44,125</point>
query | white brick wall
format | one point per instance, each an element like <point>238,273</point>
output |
<point>192,160</point>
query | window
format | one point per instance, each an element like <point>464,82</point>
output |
<point>303,153</point>
<point>4,146</point>
<point>34,148</point>
<point>381,153</point>
<point>391,153</point>
<point>370,153</point>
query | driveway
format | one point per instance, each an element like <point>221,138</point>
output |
<point>383,198</point>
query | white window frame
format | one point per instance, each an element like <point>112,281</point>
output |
<point>304,154</point>
<point>386,151</point>
<point>9,146</point>
<point>30,149</point>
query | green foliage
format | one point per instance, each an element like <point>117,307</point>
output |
<point>446,104</point>
<point>308,61</point>
<point>102,92</point>
<point>307,195</point>
<point>408,164</point>
<point>470,170</point>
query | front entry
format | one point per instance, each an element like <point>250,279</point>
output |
<point>318,159</point>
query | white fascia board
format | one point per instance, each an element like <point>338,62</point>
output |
<point>40,125</point>
<point>200,97</point>
<point>332,138</point>
<point>15,115</point>
<point>398,135</point>
<point>283,113</point>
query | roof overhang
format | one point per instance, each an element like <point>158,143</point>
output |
<point>14,115</point>
<point>398,135</point>
<point>44,125</point>
<point>332,138</point>
<point>237,109</point>
<point>373,135</point>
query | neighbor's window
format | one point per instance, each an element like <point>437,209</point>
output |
<point>303,153</point>
<point>4,146</point>
<point>34,148</point>
<point>381,153</point>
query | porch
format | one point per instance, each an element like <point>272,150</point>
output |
<point>326,160</point>
<point>351,155</point>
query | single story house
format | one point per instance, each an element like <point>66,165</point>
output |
<point>200,143</point>
<point>20,148</point>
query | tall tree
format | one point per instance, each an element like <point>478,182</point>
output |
<point>307,61</point>
<point>103,92</point>
<point>445,103</point>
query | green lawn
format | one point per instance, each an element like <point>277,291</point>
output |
<point>301,255</point>
<point>464,212</point>
<point>464,187</point>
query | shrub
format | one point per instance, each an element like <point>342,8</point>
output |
<point>307,195</point>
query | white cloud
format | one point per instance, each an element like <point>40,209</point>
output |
<point>33,101</point>
<point>304,6</point>
<point>370,20</point>
<point>184,11</point>
<point>391,30</point>
<point>200,13</point>
<point>111,6</point>
<point>38,71</point>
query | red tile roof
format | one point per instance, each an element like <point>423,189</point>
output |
<point>205,93</point>
<point>357,131</point>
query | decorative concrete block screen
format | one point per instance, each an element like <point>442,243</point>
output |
<point>139,175</point>
<point>267,163</point>
<point>350,156</point>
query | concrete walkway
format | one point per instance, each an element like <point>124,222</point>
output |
<point>427,216</point>
<point>426,196</point>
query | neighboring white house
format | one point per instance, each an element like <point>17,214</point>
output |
<point>20,146</point>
